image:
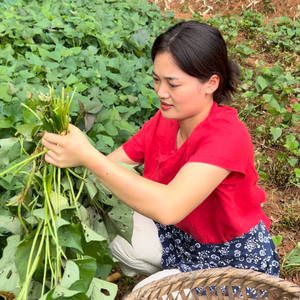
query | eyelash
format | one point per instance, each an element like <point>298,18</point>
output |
<point>171,85</point>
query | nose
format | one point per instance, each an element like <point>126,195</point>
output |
<point>162,91</point>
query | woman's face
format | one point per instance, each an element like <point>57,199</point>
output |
<point>181,95</point>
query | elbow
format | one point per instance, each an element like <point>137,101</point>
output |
<point>170,209</point>
<point>169,218</point>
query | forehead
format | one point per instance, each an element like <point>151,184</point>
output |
<point>165,66</point>
<point>163,61</point>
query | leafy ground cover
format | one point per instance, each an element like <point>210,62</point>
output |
<point>101,49</point>
<point>55,224</point>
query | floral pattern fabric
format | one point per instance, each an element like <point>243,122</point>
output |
<point>254,250</point>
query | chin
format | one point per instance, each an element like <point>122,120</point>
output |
<point>167,114</point>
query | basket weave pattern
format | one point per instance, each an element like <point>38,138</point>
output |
<point>225,280</point>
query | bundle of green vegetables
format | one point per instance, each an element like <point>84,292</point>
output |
<point>58,227</point>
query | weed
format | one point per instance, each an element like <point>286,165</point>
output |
<point>290,220</point>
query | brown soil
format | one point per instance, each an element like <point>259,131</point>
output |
<point>269,8</point>
<point>281,200</point>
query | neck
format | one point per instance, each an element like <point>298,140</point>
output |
<point>187,126</point>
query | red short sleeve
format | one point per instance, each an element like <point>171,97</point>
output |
<point>135,148</point>
<point>229,147</point>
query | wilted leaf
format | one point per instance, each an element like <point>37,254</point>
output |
<point>92,107</point>
<point>89,120</point>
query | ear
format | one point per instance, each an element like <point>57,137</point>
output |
<point>212,84</point>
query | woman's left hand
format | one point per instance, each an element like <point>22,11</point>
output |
<point>70,150</point>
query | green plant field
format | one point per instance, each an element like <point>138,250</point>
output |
<point>99,52</point>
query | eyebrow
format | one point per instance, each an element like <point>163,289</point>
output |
<point>169,78</point>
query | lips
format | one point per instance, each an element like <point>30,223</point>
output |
<point>165,106</point>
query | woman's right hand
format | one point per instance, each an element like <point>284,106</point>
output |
<point>70,150</point>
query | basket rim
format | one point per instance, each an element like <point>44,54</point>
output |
<point>225,272</point>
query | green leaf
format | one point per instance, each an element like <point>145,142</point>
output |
<point>296,107</point>
<point>9,279</point>
<point>9,252</point>
<point>140,37</point>
<point>106,139</point>
<point>57,23</point>
<point>58,221</point>
<point>55,55</point>
<point>28,129</point>
<point>58,202</point>
<point>293,259</point>
<point>276,133</point>
<point>91,188</point>
<point>71,79</point>
<point>12,89</point>
<point>110,128</point>
<point>70,236</point>
<point>5,146</point>
<point>261,83</point>
<point>277,239</point>
<point>87,268</point>
<point>102,254</point>
<point>2,28</point>
<point>10,224</point>
<point>124,125</point>
<point>297,172</point>
<point>26,75</point>
<point>61,293</point>
<point>93,221</point>
<point>44,24</point>
<point>119,221</point>
<point>102,290</point>
<point>23,253</point>
<point>91,235</point>
<point>34,59</point>
<point>80,87</point>
<point>293,161</point>
<point>64,294</point>
<point>6,122</point>
<point>71,274</point>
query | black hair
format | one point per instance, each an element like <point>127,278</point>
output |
<point>199,50</point>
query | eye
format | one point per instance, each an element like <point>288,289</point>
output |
<point>173,85</point>
<point>155,79</point>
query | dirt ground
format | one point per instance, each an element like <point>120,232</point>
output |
<point>276,197</point>
<point>269,8</point>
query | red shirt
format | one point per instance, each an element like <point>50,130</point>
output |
<point>234,207</point>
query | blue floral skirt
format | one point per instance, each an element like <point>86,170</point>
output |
<point>254,250</point>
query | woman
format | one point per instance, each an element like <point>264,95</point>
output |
<point>199,183</point>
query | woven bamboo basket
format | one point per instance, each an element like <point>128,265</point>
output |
<point>218,284</point>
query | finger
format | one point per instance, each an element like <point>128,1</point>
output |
<point>53,147</point>
<point>52,138</point>
<point>72,127</point>
<point>73,130</point>
<point>50,158</point>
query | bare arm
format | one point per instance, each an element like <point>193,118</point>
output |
<point>119,155</point>
<point>167,204</point>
